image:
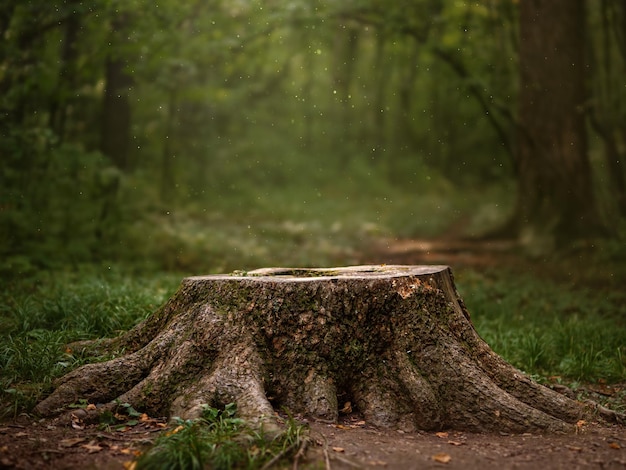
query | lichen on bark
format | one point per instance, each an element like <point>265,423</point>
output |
<point>395,341</point>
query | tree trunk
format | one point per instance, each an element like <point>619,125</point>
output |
<point>66,86</point>
<point>395,341</point>
<point>555,197</point>
<point>116,107</point>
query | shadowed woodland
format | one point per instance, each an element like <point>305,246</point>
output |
<point>145,142</point>
<point>131,131</point>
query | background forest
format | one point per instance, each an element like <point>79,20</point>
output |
<point>213,135</point>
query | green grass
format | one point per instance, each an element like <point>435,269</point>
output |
<point>312,217</point>
<point>40,316</point>
<point>221,441</point>
<point>549,330</point>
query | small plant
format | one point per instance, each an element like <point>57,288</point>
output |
<point>220,440</point>
<point>532,352</point>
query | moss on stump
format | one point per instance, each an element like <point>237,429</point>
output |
<point>395,341</point>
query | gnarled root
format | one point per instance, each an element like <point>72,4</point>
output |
<point>395,340</point>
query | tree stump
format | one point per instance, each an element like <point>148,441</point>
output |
<point>395,341</point>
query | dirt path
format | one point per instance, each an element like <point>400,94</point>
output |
<point>584,266</point>
<point>349,444</point>
<point>365,447</point>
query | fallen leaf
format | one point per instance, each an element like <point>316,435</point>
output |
<point>130,465</point>
<point>339,449</point>
<point>21,434</point>
<point>580,423</point>
<point>71,442</point>
<point>90,407</point>
<point>347,408</point>
<point>341,426</point>
<point>377,463</point>
<point>92,447</point>
<point>575,449</point>
<point>175,430</point>
<point>614,445</point>
<point>442,435</point>
<point>442,458</point>
<point>360,423</point>
<point>144,417</point>
<point>456,443</point>
<point>77,423</point>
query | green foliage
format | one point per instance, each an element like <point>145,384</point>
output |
<point>237,112</point>
<point>255,115</point>
<point>219,440</point>
<point>56,205</point>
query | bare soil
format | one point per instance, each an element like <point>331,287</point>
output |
<point>27,443</point>
<point>351,443</point>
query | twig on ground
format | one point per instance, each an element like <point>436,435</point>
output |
<point>300,453</point>
<point>326,457</point>
<point>278,456</point>
<point>347,461</point>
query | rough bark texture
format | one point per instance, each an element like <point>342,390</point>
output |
<point>396,341</point>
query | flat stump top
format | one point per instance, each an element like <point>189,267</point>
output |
<point>308,274</point>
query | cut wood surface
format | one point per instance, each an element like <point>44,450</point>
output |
<point>396,342</point>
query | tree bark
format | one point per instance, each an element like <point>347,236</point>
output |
<point>116,107</point>
<point>555,197</point>
<point>395,341</point>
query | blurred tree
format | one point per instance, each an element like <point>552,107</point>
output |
<point>116,109</point>
<point>608,104</point>
<point>555,200</point>
<point>60,99</point>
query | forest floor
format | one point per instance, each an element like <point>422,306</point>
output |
<point>46,444</point>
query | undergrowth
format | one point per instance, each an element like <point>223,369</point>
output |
<point>549,330</point>
<point>40,316</point>
<point>220,441</point>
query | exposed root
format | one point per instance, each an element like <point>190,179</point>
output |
<point>397,340</point>
<point>320,396</point>
<point>234,377</point>
<point>96,382</point>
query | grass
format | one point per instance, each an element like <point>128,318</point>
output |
<point>549,330</point>
<point>221,441</point>
<point>40,316</point>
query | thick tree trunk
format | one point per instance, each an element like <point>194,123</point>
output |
<point>395,341</point>
<point>555,200</point>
